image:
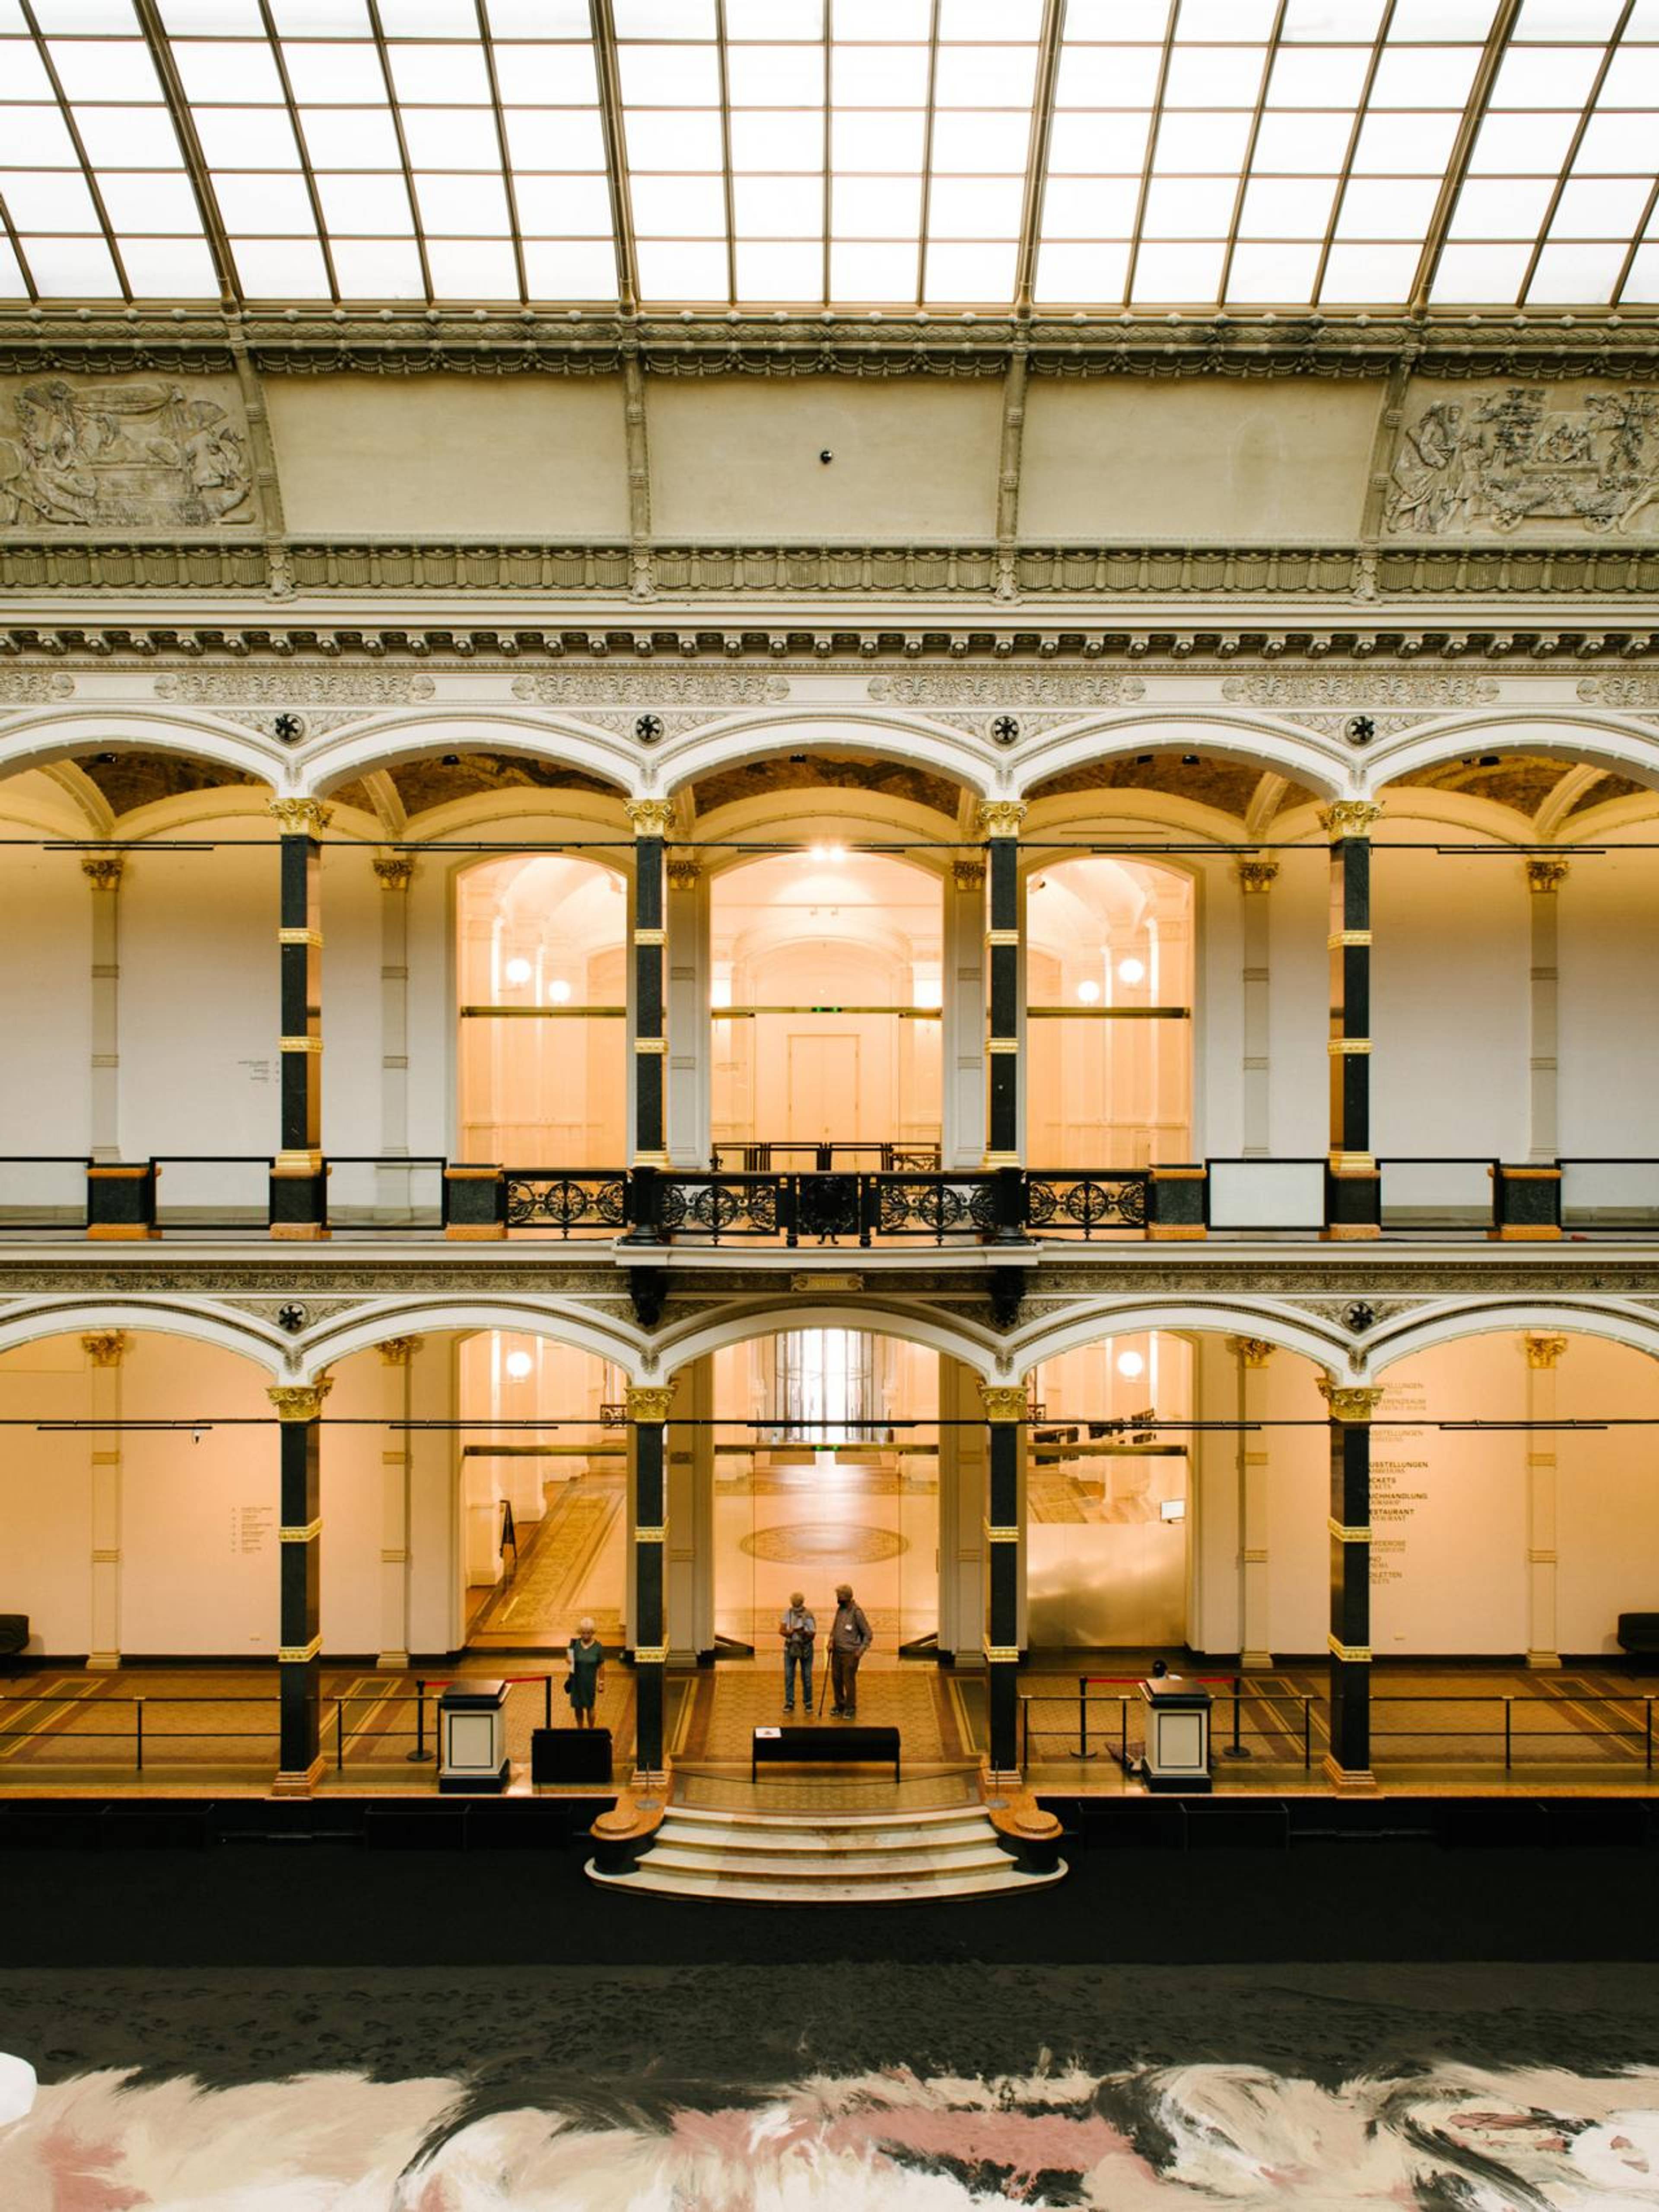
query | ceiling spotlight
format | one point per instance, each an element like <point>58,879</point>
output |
<point>1129,1365</point>
<point>1131,970</point>
<point>519,1365</point>
<point>1088,990</point>
<point>518,970</point>
<point>449,760</point>
<point>1189,760</point>
<point>104,760</point>
<point>829,853</point>
<point>558,992</point>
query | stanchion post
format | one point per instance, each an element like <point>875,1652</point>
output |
<point>1235,1749</point>
<point>339,1736</point>
<point>138,1735</point>
<point>1509,1742</point>
<point>1650,1706</point>
<point>547,1701</point>
<point>1307,1734</point>
<point>1123,1732</point>
<point>420,1751</point>
<point>1083,1717</point>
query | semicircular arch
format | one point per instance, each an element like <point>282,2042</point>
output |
<point>37,740</point>
<point>872,736</point>
<point>226,1331</point>
<point>1620,1321</point>
<point>975,1346</point>
<point>1326,766</point>
<point>361,1330</point>
<point>388,741</point>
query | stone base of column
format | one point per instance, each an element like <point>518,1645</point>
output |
<point>1004,1778</point>
<point>1347,1777</point>
<point>1514,1232</point>
<point>1256,1663</point>
<point>394,1662</point>
<point>1543,1660</point>
<point>299,1782</point>
<point>300,1232</point>
<point>107,1662</point>
<point>1353,1199</point>
<point>298,1200</point>
<point>649,1781</point>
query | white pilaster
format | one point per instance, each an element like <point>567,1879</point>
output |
<point>1252,1355</point>
<point>963,1501</point>
<point>104,871</point>
<point>397,1359</point>
<point>104,1352</point>
<point>1544,880</point>
<point>690,1058</point>
<point>962,1046</point>
<point>691,1490</point>
<point>395,872</point>
<point>1256,877</point>
<point>1543,1355</point>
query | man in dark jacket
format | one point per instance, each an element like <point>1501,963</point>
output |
<point>849,1639</point>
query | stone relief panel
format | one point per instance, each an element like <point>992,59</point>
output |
<point>280,687</point>
<point>30,685</point>
<point>137,453</point>
<point>1288,688</point>
<point>1007,687</point>
<point>1527,457</point>
<point>655,687</point>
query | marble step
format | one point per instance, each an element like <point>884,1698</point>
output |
<point>800,1867</point>
<point>938,1889</point>
<point>827,1823</point>
<point>816,1841</point>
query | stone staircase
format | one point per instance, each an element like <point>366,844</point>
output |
<point>915,1856</point>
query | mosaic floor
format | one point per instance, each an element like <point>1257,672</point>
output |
<point>786,2088</point>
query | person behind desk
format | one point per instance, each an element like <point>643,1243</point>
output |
<point>585,1684</point>
<point>849,1639</point>
<point>798,1628</point>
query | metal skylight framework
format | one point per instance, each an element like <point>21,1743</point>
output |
<point>902,155</point>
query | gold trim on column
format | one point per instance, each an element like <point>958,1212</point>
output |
<point>647,1401</point>
<point>650,937</point>
<point>108,1348</point>
<point>1352,1654</point>
<point>994,936</point>
<point>1344,1534</point>
<point>684,874</point>
<point>1341,1045</point>
<point>399,1350</point>
<point>1250,1350</point>
<point>300,818</point>
<point>312,1531</point>
<point>1338,938</point>
<point>301,937</point>
<point>1000,1160</point>
<point>299,1401</point>
<point>651,818</point>
<point>646,1534</point>
<point>651,1044</point>
<point>1258,875</point>
<point>1002,817</point>
<point>396,870</point>
<point>1543,876</point>
<point>1002,1654</point>
<point>1350,1401</point>
<point>104,871</point>
<point>298,1654</point>
<point>1348,818</point>
<point>297,1163</point>
<point>968,875</point>
<point>1542,1351</point>
<point>1002,1044</point>
<point>1004,1401</point>
<point>299,1044</point>
<point>650,1655</point>
<point>1351,1164</point>
<point>993,1535</point>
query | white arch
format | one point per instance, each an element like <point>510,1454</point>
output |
<point>373,1324</point>
<point>914,742</point>
<point>36,739</point>
<point>1621,748</point>
<point>385,740</point>
<point>852,816</point>
<point>1325,765</point>
<point>975,1346</point>
<point>1288,1328</point>
<point>1447,1321</point>
<point>251,1340</point>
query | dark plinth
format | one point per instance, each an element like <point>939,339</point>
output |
<point>14,1633</point>
<point>562,1755</point>
<point>834,1746</point>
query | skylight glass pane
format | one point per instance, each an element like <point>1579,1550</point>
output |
<point>775,77</point>
<point>774,19</point>
<point>1292,145</point>
<point>265,206</point>
<point>1521,145</point>
<point>1264,274</point>
<point>990,19</point>
<point>569,269</point>
<point>128,137</point>
<point>1093,145</point>
<point>50,199</point>
<point>983,273</point>
<point>1318,76</point>
<point>1324,19</point>
<point>879,76</point>
<point>1405,145</point>
<point>454,75</point>
<point>1442,19</point>
<point>864,142</point>
<point>1185,207</point>
<point>1512,207</point>
<point>1633,80</point>
<point>1599,207</point>
<point>1581,274</point>
<point>72,268</point>
<point>375,207</point>
<point>320,19</point>
<point>1225,19</point>
<point>1642,285</point>
<point>377,268</point>
<point>1566,18</point>
<point>1437,76</point>
<point>670,77</point>
<point>979,142</point>
<point>563,206</point>
<point>24,74</point>
<point>1214,76</point>
<point>569,139</point>
<point>859,271</point>
<point>556,77</point>
<point>281,269</point>
<point>1620,144</point>
<point>100,69</point>
<point>865,207</point>
<point>679,207</point>
<point>451,138</point>
<point>12,286</point>
<point>169,267</point>
<point>880,19</point>
<point>350,137</point>
<point>1203,144</point>
<point>764,139</point>
<point>539,19</point>
<point>38,138</point>
<point>972,207</point>
<point>1357,275</point>
<point>219,69</point>
<point>149,200</point>
<point>476,269</point>
<point>659,141</point>
<point>338,76</point>
<point>1480,275</point>
<point>766,270</point>
<point>1286,207</point>
<point>1178,274</point>
<point>462,207</point>
<point>428,19</point>
<point>85,15</point>
<point>664,19</point>
<point>1095,207</point>
<point>777,207</point>
<point>1106,77</point>
<point>1545,76</point>
<point>1396,208</point>
<point>246,138</point>
<point>1093,273</point>
<point>680,269</point>
<point>985,76</point>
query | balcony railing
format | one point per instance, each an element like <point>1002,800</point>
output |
<point>213,1197</point>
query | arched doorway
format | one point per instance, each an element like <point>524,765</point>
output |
<point>541,955</point>
<point>826,996</point>
<point>542,1535</point>
<point>1109,1005</point>
<point>820,1478</point>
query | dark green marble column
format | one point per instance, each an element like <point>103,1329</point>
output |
<point>651,819</point>
<point>647,1419</point>
<point>1006,1411</point>
<point>1352,1184</point>
<point>299,1181</point>
<point>1348,1763</point>
<point>299,1668</point>
<point>1003,1083</point>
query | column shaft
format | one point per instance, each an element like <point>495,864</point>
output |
<point>106,1352</point>
<point>1349,1760</point>
<point>1006,1411</point>
<point>690,1067</point>
<point>1544,880</point>
<point>690,1548</point>
<point>651,819</point>
<point>394,874</point>
<point>962,1044</point>
<point>1002,819</point>
<point>647,1415</point>
<point>397,1358</point>
<point>1251,1354</point>
<point>104,872</point>
<point>1257,878</point>
<point>298,1200</point>
<point>299,1413</point>
<point>1352,1187</point>
<point>1543,1634</point>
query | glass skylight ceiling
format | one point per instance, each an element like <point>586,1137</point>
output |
<point>1099,154</point>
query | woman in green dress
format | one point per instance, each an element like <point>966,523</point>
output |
<point>586,1683</point>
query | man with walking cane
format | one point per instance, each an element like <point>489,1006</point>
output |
<point>849,1639</point>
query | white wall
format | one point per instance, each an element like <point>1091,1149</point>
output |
<point>1608,1003</point>
<point>46,1496</point>
<point>1606,1494</point>
<point>45,919</point>
<point>1298,1076</point>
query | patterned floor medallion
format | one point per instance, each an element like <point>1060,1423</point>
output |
<point>809,1543</point>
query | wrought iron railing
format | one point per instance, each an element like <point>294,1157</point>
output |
<point>567,1201</point>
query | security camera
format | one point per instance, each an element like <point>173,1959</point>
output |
<point>826,457</point>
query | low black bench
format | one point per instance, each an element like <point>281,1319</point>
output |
<point>1638,1634</point>
<point>833,1746</point>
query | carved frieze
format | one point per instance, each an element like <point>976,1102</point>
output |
<point>652,686</point>
<point>280,687</point>
<point>1642,690</point>
<point>1354,687</point>
<point>124,454</point>
<point>1520,454</point>
<point>30,685</point>
<point>1077,688</point>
